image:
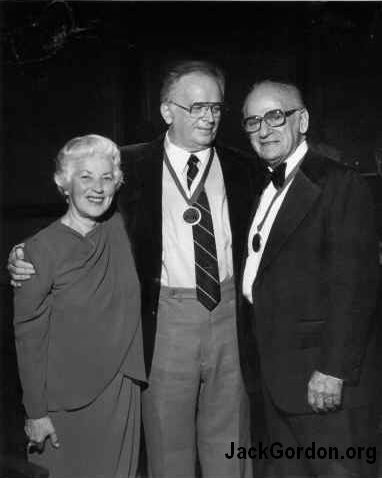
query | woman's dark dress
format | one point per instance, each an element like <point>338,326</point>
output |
<point>79,347</point>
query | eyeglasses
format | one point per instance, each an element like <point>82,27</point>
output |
<point>273,118</point>
<point>198,110</point>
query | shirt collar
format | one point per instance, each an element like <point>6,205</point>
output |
<point>295,157</point>
<point>179,157</point>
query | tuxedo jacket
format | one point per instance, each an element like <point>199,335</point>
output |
<point>140,202</point>
<point>315,290</point>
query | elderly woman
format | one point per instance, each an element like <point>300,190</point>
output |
<point>77,326</point>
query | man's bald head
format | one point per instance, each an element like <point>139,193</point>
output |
<point>287,93</point>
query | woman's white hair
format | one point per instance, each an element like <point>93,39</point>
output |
<point>90,145</point>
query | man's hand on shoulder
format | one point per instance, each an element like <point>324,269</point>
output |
<point>18,269</point>
<point>324,392</point>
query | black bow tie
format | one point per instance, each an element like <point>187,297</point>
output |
<point>277,176</point>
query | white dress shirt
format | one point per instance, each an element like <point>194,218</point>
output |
<point>178,258</point>
<point>254,258</point>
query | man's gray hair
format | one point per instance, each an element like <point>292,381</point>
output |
<point>179,69</point>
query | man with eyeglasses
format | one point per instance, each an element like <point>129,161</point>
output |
<point>311,276</point>
<point>186,203</point>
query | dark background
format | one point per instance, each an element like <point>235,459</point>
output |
<point>71,68</point>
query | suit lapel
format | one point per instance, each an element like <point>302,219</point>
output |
<point>149,213</point>
<point>239,202</point>
<point>151,174</point>
<point>228,168</point>
<point>297,203</point>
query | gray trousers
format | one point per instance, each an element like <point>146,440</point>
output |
<point>196,404</point>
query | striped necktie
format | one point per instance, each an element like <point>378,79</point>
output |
<point>206,264</point>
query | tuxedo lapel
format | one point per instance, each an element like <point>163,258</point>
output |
<point>297,203</point>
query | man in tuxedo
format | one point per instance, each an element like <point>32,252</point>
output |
<point>311,277</point>
<point>185,205</point>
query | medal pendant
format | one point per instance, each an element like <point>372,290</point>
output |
<point>256,242</point>
<point>192,215</point>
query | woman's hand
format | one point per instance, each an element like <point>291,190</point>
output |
<point>38,430</point>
